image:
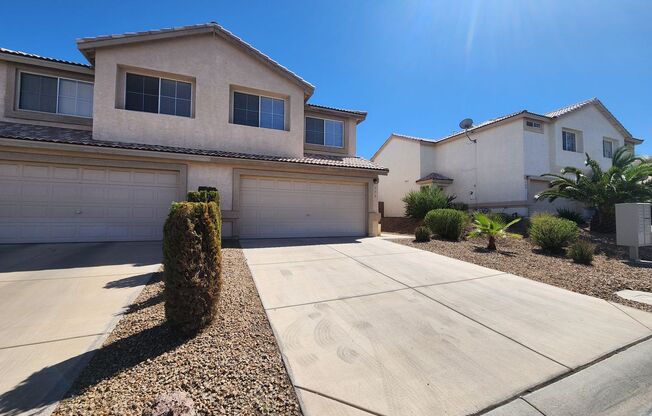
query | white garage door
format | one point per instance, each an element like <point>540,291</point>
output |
<point>62,203</point>
<point>272,207</point>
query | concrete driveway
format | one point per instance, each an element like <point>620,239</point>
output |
<point>367,326</point>
<point>58,302</point>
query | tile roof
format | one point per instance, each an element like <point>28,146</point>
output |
<point>483,124</point>
<point>43,58</point>
<point>572,107</point>
<point>434,176</point>
<point>357,112</point>
<point>551,115</point>
<point>84,137</point>
<point>85,44</point>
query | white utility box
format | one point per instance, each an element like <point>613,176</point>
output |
<point>634,226</point>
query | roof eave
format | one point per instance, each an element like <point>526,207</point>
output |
<point>87,47</point>
<point>359,116</point>
<point>70,67</point>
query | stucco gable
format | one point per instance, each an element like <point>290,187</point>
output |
<point>88,46</point>
<point>602,109</point>
<point>395,136</point>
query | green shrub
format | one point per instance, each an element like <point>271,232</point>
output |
<point>447,223</point>
<point>460,206</point>
<point>204,194</point>
<point>422,234</point>
<point>569,214</point>
<point>192,264</point>
<point>581,252</point>
<point>419,203</point>
<point>552,233</point>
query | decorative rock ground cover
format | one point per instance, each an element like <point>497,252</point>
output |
<point>232,368</point>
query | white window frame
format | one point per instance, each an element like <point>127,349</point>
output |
<point>563,141</point>
<point>20,80</point>
<point>124,98</point>
<point>325,145</point>
<point>259,97</point>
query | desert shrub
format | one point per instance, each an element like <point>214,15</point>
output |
<point>569,214</point>
<point>422,234</point>
<point>552,233</point>
<point>501,217</point>
<point>192,265</point>
<point>581,252</point>
<point>485,226</point>
<point>460,206</point>
<point>204,194</point>
<point>419,203</point>
<point>447,223</point>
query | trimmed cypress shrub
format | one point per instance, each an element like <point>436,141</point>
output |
<point>581,252</point>
<point>447,223</point>
<point>204,194</point>
<point>192,265</point>
<point>552,233</point>
<point>422,234</point>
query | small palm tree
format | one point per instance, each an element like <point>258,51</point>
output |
<point>487,227</point>
<point>627,180</point>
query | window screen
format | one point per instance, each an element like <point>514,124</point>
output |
<point>324,132</point>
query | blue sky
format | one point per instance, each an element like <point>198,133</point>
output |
<point>417,67</point>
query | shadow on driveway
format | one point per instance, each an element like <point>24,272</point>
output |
<point>34,257</point>
<point>34,391</point>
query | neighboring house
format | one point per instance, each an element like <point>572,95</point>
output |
<point>98,152</point>
<point>500,168</point>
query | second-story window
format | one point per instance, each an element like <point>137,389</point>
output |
<point>569,141</point>
<point>158,95</point>
<point>608,148</point>
<point>324,132</point>
<point>55,95</point>
<point>258,111</point>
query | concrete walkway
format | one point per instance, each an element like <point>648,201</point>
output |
<point>367,326</point>
<point>58,303</point>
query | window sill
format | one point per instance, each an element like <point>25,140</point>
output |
<point>257,127</point>
<point>156,114</point>
<point>325,149</point>
<point>54,118</point>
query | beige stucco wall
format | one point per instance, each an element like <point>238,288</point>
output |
<point>488,171</point>
<point>215,67</point>
<point>402,158</point>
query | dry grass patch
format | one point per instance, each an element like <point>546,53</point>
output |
<point>233,367</point>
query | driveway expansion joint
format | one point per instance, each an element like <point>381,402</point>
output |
<point>630,316</point>
<point>563,376</point>
<point>344,402</point>
<point>52,340</point>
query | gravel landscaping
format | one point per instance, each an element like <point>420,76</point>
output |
<point>232,368</point>
<point>609,273</point>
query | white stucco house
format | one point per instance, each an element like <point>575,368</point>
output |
<point>97,151</point>
<point>499,168</point>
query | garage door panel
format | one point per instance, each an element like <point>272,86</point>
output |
<point>9,170</point>
<point>280,207</point>
<point>93,175</point>
<point>59,202</point>
<point>36,171</point>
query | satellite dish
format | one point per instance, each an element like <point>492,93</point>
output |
<point>466,124</point>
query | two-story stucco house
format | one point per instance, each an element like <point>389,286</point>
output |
<point>98,152</point>
<point>499,165</point>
